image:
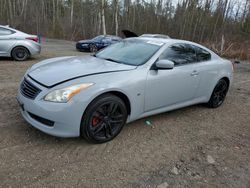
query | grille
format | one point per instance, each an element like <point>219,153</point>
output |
<point>29,90</point>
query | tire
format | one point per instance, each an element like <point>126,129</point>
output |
<point>104,119</point>
<point>20,53</point>
<point>219,94</point>
<point>93,48</point>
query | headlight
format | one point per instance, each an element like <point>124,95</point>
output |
<point>65,94</point>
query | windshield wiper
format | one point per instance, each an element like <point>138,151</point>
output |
<point>113,60</point>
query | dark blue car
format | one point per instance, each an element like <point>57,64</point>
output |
<point>97,43</point>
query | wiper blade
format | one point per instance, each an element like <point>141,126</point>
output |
<point>109,59</point>
<point>113,60</point>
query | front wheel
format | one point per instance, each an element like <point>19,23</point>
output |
<point>104,119</point>
<point>219,94</point>
<point>20,54</point>
<point>93,48</point>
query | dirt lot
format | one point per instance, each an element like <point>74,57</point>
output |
<point>191,147</point>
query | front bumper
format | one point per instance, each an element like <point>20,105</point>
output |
<point>57,119</point>
<point>82,47</point>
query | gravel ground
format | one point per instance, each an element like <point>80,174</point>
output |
<point>190,147</point>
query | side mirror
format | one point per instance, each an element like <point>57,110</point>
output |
<point>164,64</point>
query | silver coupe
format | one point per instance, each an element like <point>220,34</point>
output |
<point>94,96</point>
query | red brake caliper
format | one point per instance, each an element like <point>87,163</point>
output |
<point>95,121</point>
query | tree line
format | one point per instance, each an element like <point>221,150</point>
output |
<point>223,24</point>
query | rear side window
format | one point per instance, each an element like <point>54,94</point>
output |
<point>4,31</point>
<point>202,55</point>
<point>180,54</point>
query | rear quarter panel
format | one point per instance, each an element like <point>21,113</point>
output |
<point>33,47</point>
<point>211,72</point>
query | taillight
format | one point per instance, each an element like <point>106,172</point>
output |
<point>35,39</point>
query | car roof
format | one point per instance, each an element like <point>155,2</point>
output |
<point>111,36</point>
<point>8,27</point>
<point>155,35</point>
<point>5,26</point>
<point>158,40</point>
<point>170,41</point>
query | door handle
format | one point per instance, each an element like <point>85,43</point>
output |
<point>194,73</point>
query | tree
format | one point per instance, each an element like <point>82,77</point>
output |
<point>103,18</point>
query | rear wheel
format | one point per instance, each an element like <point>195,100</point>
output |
<point>20,53</point>
<point>104,119</point>
<point>219,94</point>
<point>93,48</point>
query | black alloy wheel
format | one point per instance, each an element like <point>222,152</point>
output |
<point>104,119</point>
<point>93,48</point>
<point>20,53</point>
<point>219,94</point>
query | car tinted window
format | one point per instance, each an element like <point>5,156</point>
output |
<point>106,39</point>
<point>131,52</point>
<point>98,38</point>
<point>4,31</point>
<point>180,54</point>
<point>202,55</point>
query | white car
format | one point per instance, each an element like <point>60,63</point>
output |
<point>18,45</point>
<point>94,96</point>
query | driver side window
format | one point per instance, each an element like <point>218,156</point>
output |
<point>180,54</point>
<point>106,40</point>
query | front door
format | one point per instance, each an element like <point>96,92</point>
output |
<point>177,85</point>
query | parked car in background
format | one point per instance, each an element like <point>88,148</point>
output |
<point>94,96</point>
<point>129,34</point>
<point>155,36</point>
<point>97,43</point>
<point>18,45</point>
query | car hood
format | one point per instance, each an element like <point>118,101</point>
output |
<point>85,41</point>
<point>55,71</point>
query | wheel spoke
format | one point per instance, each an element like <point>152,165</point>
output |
<point>112,108</point>
<point>101,111</point>
<point>116,121</point>
<point>110,129</point>
<point>98,128</point>
<point>216,99</point>
<point>221,98</point>
<point>106,129</point>
<point>117,116</point>
<point>224,87</point>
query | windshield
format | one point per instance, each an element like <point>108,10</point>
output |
<point>134,52</point>
<point>98,38</point>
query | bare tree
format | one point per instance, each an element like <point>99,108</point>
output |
<point>103,18</point>
<point>204,21</point>
<point>116,2</point>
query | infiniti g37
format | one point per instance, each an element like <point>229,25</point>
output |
<point>95,96</point>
